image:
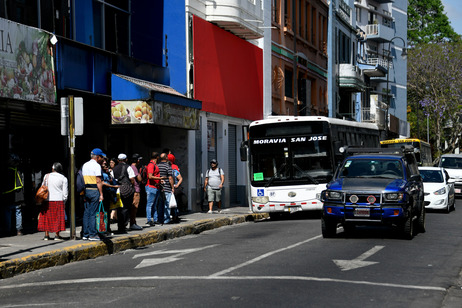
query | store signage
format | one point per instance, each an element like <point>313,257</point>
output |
<point>26,63</point>
<point>145,112</point>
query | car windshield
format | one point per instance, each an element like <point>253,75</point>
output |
<point>432,176</point>
<point>372,168</point>
<point>451,162</point>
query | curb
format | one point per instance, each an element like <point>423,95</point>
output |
<point>91,250</point>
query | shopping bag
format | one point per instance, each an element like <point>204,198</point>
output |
<point>101,219</point>
<point>117,204</point>
<point>172,204</point>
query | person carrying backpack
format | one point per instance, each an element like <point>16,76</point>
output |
<point>125,176</point>
<point>214,179</point>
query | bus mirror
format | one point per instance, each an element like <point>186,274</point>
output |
<point>243,150</point>
<point>337,148</point>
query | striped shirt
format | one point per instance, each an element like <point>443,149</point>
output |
<point>90,171</point>
<point>165,170</point>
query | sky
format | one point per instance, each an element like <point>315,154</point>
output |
<point>453,10</point>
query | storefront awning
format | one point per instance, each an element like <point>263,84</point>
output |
<point>136,101</point>
<point>125,88</point>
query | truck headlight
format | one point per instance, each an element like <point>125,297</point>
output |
<point>398,196</point>
<point>334,195</point>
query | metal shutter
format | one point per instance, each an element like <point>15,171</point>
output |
<point>232,164</point>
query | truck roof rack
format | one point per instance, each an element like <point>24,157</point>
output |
<point>404,149</point>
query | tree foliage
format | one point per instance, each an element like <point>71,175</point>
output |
<point>435,91</point>
<point>427,23</point>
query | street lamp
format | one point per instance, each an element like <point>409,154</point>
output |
<point>404,56</point>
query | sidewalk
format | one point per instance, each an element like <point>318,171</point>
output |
<point>21,254</point>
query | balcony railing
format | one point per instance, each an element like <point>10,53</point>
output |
<point>243,18</point>
<point>380,61</point>
<point>374,115</point>
<point>378,32</point>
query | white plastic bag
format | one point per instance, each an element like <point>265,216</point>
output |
<point>172,204</point>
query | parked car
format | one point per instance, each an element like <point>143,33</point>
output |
<point>438,188</point>
<point>375,186</point>
<point>452,163</point>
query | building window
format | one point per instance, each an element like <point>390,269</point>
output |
<point>275,11</point>
<point>344,48</point>
<point>300,18</point>
<point>111,25</point>
<point>358,14</point>
<point>387,22</point>
<point>287,15</point>
<point>372,16</point>
<point>307,21</point>
<point>288,84</point>
<point>52,16</point>
<point>313,25</point>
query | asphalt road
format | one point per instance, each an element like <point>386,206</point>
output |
<point>283,263</point>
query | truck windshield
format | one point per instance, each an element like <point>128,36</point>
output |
<point>372,168</point>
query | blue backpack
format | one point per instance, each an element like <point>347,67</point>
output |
<point>80,183</point>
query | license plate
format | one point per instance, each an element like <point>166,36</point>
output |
<point>293,209</point>
<point>457,190</point>
<point>362,212</point>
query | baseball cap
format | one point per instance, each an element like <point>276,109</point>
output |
<point>136,156</point>
<point>97,151</point>
<point>214,161</point>
<point>122,156</point>
<point>171,158</point>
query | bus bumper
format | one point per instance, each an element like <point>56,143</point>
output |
<point>275,207</point>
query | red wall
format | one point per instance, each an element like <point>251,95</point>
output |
<point>228,72</point>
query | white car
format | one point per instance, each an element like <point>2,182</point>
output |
<point>438,189</point>
<point>452,163</point>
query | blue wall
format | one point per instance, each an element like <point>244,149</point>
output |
<point>175,29</point>
<point>84,22</point>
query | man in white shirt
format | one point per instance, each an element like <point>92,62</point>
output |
<point>92,176</point>
<point>214,180</point>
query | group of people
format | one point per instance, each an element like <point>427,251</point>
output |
<point>108,180</point>
<point>118,185</point>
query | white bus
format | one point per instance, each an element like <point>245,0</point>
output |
<point>290,159</point>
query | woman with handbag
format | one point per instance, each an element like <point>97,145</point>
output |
<point>52,216</point>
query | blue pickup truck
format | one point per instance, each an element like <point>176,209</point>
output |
<point>375,186</point>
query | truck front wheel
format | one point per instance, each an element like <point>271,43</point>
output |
<point>329,228</point>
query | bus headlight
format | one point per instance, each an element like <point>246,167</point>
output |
<point>260,199</point>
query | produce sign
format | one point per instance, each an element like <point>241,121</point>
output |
<point>131,112</point>
<point>141,112</point>
<point>26,63</point>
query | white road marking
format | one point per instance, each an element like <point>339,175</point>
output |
<point>346,265</point>
<point>219,275</point>
<point>175,257</point>
<point>266,255</point>
<point>299,278</point>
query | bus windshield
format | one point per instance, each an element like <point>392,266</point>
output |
<point>423,153</point>
<point>290,161</point>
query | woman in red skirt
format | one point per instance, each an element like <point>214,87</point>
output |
<point>52,217</point>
